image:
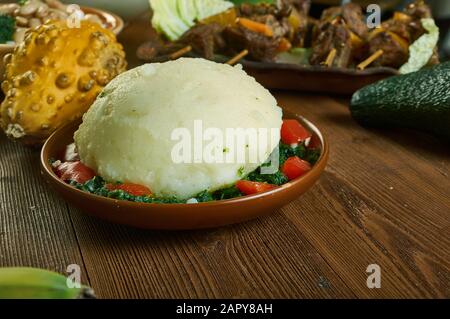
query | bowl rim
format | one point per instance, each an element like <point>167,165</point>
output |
<point>119,21</point>
<point>321,163</point>
<point>120,24</point>
<point>7,46</point>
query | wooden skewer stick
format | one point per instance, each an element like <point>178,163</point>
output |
<point>236,58</point>
<point>180,52</point>
<point>330,58</point>
<point>370,60</point>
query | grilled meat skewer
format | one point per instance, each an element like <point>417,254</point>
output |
<point>343,29</point>
<point>396,35</point>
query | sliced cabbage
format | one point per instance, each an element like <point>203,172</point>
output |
<point>175,17</point>
<point>421,51</point>
<point>187,11</point>
<point>207,8</point>
<point>163,20</point>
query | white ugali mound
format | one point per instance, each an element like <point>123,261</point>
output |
<point>126,134</point>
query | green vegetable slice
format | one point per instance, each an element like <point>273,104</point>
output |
<point>421,51</point>
<point>207,8</point>
<point>166,19</point>
<point>295,56</point>
<point>187,11</point>
<point>175,17</point>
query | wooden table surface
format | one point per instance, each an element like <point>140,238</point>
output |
<point>384,199</point>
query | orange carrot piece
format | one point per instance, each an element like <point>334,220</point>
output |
<point>400,16</point>
<point>256,26</point>
<point>284,45</point>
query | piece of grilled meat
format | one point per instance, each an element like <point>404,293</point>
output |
<point>287,20</point>
<point>395,49</point>
<point>332,36</point>
<point>262,47</point>
<point>396,35</point>
<point>343,29</point>
<point>301,26</point>
<point>205,39</point>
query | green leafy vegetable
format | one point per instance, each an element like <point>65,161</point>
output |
<point>175,17</point>
<point>276,179</point>
<point>7,27</point>
<point>312,156</point>
<point>295,56</point>
<point>97,185</point>
<point>204,196</point>
<point>226,193</point>
<point>207,8</point>
<point>285,151</point>
<point>421,51</point>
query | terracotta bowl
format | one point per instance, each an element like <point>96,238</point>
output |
<point>178,216</point>
<point>112,22</point>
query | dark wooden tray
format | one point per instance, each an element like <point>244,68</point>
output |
<point>315,79</point>
<point>302,78</point>
<point>308,78</point>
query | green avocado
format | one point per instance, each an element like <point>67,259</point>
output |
<point>419,100</point>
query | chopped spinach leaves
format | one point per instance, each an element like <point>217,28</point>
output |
<point>7,28</point>
<point>97,185</point>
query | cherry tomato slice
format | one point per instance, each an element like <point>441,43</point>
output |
<point>74,171</point>
<point>250,188</point>
<point>314,143</point>
<point>295,167</point>
<point>132,189</point>
<point>293,132</point>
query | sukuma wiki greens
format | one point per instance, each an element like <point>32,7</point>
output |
<point>295,160</point>
<point>7,27</point>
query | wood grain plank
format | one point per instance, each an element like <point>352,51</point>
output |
<point>384,199</point>
<point>391,202</point>
<point>334,230</point>
<point>349,221</point>
<point>35,227</point>
<point>266,258</point>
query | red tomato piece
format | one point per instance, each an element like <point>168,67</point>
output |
<point>132,189</point>
<point>314,143</point>
<point>74,171</point>
<point>295,167</point>
<point>292,132</point>
<point>249,188</point>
